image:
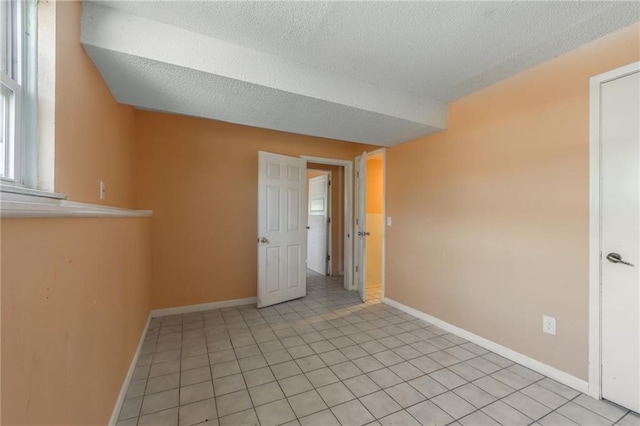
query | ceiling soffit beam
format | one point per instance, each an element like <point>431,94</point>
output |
<point>117,31</point>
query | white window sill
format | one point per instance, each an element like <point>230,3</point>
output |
<point>16,202</point>
<point>8,188</point>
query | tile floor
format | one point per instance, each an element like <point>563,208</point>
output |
<point>328,359</point>
<point>374,292</point>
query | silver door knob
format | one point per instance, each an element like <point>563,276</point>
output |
<point>264,240</point>
<point>616,258</point>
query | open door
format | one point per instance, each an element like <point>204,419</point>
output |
<point>317,219</point>
<point>620,240</point>
<point>282,245</point>
<point>360,267</point>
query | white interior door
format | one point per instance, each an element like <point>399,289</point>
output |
<point>317,223</point>
<point>282,245</point>
<point>360,269</point>
<point>620,240</point>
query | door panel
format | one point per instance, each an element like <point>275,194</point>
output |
<point>294,269</point>
<point>273,208</point>
<point>281,238</point>
<point>620,233</point>
<point>293,210</point>
<point>318,212</point>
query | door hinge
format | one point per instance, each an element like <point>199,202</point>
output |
<point>329,183</point>
<point>356,268</point>
<point>328,258</point>
<point>357,221</point>
<point>357,174</point>
<point>328,220</point>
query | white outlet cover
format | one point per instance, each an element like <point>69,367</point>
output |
<point>549,325</point>
<point>389,221</point>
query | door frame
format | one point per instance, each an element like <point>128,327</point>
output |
<point>359,225</point>
<point>330,223</point>
<point>595,295</point>
<point>348,213</point>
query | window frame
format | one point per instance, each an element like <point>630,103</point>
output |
<point>23,124</point>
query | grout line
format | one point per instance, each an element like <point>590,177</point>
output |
<point>329,316</point>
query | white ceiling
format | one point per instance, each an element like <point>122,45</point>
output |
<point>372,72</point>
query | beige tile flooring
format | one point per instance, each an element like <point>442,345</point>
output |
<point>374,292</point>
<point>329,359</point>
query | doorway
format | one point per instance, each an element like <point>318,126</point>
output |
<point>338,255</point>
<point>370,225</point>
<point>614,252</point>
<point>319,221</point>
<point>375,226</point>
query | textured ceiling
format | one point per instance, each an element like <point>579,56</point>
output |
<point>372,72</point>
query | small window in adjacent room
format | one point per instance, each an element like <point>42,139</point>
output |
<point>18,124</point>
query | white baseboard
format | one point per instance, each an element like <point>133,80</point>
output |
<point>127,379</point>
<point>202,307</point>
<point>535,365</point>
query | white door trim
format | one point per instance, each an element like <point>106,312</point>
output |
<point>330,227</point>
<point>348,209</point>
<point>360,227</point>
<point>595,361</point>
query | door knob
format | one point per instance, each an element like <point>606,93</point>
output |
<point>363,234</point>
<point>616,258</point>
<point>264,240</point>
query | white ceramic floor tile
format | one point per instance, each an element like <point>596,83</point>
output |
<point>329,359</point>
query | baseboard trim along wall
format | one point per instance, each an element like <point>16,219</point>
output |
<point>202,307</point>
<point>127,379</point>
<point>163,313</point>
<point>535,365</point>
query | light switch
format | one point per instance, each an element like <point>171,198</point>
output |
<point>389,221</point>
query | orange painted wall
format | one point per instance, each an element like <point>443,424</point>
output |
<point>314,173</point>
<point>374,222</point>
<point>200,179</point>
<point>94,134</point>
<point>75,298</point>
<point>374,186</point>
<point>490,218</point>
<point>76,292</point>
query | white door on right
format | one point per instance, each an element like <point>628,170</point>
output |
<point>620,240</point>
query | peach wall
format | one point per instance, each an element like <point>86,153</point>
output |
<point>490,226</point>
<point>75,298</point>
<point>374,186</point>
<point>374,222</point>
<point>93,133</point>
<point>337,212</point>
<point>75,292</point>
<point>200,179</point>
<point>314,173</point>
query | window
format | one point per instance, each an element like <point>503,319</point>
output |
<point>18,91</point>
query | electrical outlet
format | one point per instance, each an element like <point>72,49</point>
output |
<point>103,190</point>
<point>389,221</point>
<point>549,325</point>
